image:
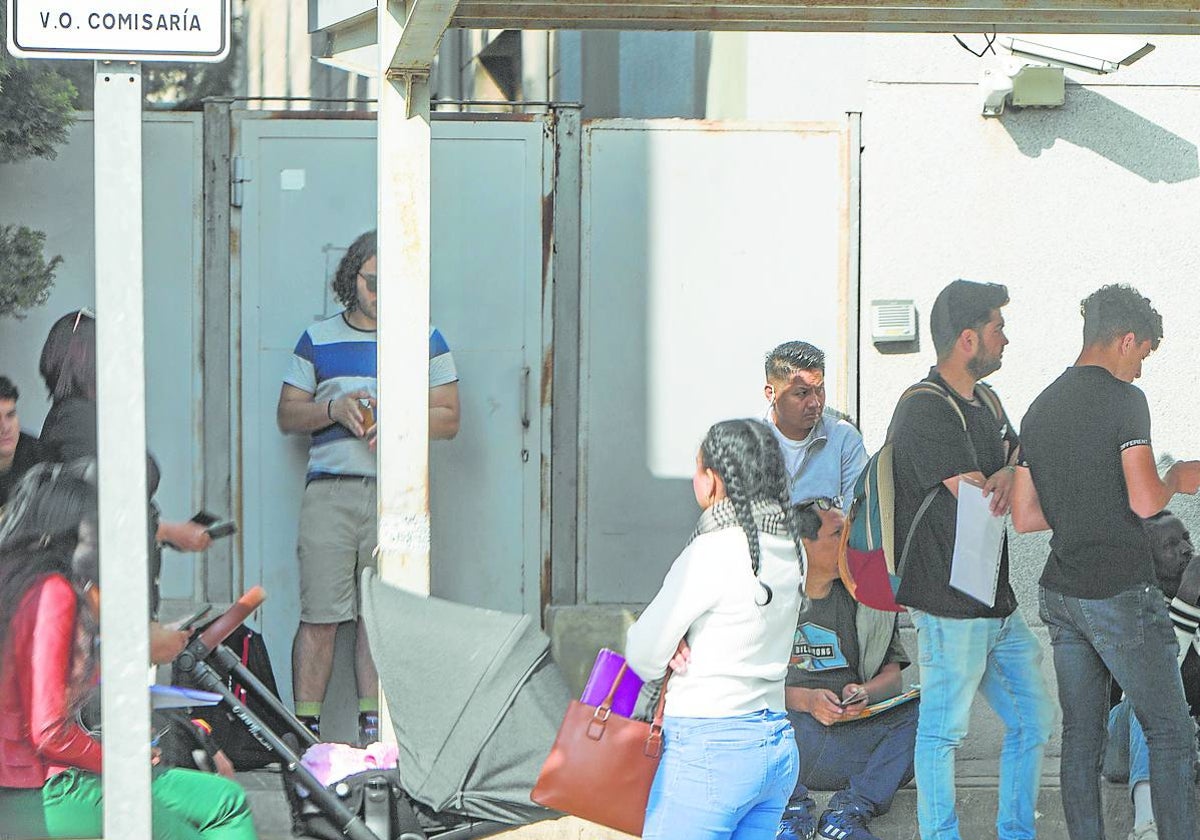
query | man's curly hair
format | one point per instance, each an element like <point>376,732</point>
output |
<point>345,280</point>
<point>1116,310</point>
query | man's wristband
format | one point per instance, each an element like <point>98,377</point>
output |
<point>329,409</point>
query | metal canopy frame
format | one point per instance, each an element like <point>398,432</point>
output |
<point>1095,16</point>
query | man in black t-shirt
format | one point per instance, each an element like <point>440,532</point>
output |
<point>953,432</point>
<point>843,650</point>
<point>18,451</point>
<point>1088,473</point>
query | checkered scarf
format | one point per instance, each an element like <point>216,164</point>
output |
<point>768,515</point>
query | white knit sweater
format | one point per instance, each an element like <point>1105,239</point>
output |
<point>740,650</point>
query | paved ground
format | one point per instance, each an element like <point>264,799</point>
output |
<point>977,797</point>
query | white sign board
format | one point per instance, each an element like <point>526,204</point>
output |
<point>119,30</point>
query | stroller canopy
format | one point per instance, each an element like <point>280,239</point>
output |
<point>474,698</point>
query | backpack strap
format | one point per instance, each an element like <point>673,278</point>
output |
<point>925,387</point>
<point>912,529</point>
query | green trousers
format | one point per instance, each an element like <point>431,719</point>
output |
<point>185,805</point>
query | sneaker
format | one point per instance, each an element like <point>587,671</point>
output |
<point>845,824</point>
<point>368,728</point>
<point>1149,831</point>
<point>797,823</point>
<point>312,723</point>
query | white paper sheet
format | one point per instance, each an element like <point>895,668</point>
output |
<point>975,568</point>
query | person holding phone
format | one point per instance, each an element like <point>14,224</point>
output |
<point>50,765</point>
<point>328,396</point>
<point>845,656</point>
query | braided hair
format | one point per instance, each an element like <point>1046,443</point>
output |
<point>746,457</point>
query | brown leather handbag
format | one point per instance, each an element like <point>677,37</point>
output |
<point>602,765</point>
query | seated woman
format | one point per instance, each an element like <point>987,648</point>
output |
<point>50,783</point>
<point>732,596</point>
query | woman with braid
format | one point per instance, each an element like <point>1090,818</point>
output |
<point>723,622</point>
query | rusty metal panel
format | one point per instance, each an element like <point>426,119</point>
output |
<point>1144,16</point>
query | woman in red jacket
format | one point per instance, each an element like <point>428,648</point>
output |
<point>49,617</point>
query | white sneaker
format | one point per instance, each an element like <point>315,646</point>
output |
<point>1149,831</point>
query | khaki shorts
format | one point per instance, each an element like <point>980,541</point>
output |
<point>337,541</point>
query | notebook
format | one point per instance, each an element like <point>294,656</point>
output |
<point>604,671</point>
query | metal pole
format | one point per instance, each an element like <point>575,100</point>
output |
<point>121,437</point>
<point>403,268</point>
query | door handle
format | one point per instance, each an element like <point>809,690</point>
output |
<point>526,374</point>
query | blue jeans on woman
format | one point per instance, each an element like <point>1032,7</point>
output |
<point>1000,658</point>
<point>1128,636</point>
<point>722,778</point>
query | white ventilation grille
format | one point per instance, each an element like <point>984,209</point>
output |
<point>893,320</point>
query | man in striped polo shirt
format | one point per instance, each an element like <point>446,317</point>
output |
<point>329,392</point>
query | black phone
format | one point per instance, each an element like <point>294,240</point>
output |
<point>191,620</point>
<point>857,697</point>
<point>204,518</point>
<point>222,529</point>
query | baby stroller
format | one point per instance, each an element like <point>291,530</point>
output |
<point>474,698</point>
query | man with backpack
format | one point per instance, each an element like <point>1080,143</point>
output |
<point>952,430</point>
<point>1088,472</point>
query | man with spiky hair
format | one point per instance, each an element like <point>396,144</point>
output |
<point>329,394</point>
<point>823,452</point>
<point>1088,473</point>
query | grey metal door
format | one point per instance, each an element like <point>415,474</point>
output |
<point>704,245</point>
<point>308,189</point>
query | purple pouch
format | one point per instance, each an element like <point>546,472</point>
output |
<point>608,665</point>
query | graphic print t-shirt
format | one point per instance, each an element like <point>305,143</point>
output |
<point>1073,436</point>
<point>825,650</point>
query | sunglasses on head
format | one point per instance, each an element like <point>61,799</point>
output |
<point>822,503</point>
<point>85,312</point>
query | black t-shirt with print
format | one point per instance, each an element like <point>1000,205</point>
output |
<point>1072,438</point>
<point>929,446</point>
<point>825,652</point>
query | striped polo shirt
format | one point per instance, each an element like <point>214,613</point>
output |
<point>333,358</point>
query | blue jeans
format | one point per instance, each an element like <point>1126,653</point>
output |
<point>1122,720</point>
<point>1000,658</point>
<point>722,778</point>
<point>1128,636</point>
<point>865,761</point>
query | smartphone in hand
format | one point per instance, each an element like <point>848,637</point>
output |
<point>190,621</point>
<point>856,697</point>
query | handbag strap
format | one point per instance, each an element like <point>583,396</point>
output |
<point>612,689</point>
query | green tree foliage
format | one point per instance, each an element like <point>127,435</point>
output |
<point>25,276</point>
<point>37,109</point>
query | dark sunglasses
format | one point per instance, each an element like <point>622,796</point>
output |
<point>822,503</point>
<point>370,280</point>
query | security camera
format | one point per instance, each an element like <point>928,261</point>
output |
<point>1098,54</point>
<point>1032,76</point>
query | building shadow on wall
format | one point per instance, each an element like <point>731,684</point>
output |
<point>1092,121</point>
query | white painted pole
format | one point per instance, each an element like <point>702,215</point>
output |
<point>121,395</point>
<point>403,260</point>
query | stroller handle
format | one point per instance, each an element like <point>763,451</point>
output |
<point>233,617</point>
